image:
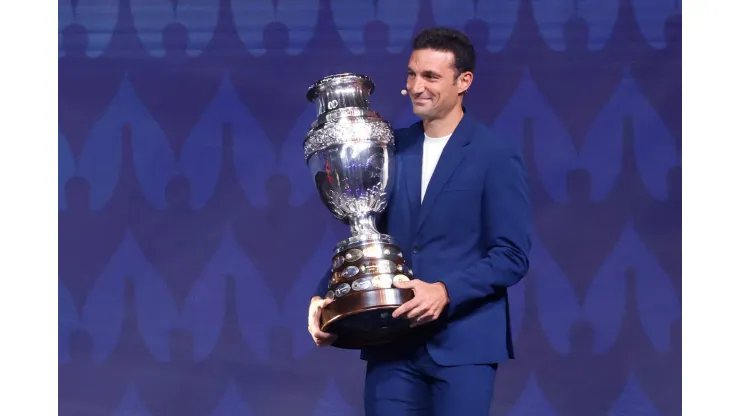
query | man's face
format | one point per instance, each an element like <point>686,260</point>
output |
<point>432,83</point>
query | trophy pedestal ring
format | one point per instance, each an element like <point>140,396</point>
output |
<point>364,270</point>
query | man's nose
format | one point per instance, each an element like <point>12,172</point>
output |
<point>416,87</point>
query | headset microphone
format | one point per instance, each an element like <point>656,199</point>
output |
<point>404,92</point>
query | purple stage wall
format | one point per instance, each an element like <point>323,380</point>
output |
<point>191,234</point>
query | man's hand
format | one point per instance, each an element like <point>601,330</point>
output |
<point>428,302</point>
<point>321,338</point>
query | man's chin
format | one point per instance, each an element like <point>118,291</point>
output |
<point>420,111</point>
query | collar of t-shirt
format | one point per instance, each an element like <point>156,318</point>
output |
<point>433,147</point>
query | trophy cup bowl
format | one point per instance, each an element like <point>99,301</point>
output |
<point>349,151</point>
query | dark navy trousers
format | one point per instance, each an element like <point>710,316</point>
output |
<point>413,384</point>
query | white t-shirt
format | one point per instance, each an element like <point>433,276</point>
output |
<point>433,147</point>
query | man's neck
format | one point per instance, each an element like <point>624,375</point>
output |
<point>444,126</point>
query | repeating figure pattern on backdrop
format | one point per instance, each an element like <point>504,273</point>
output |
<point>191,235</point>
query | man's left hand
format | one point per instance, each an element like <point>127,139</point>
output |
<point>427,304</point>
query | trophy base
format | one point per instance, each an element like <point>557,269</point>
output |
<point>363,319</point>
<point>364,270</point>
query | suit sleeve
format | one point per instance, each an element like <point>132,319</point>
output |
<point>323,286</point>
<point>507,226</point>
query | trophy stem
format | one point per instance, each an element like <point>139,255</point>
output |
<point>363,224</point>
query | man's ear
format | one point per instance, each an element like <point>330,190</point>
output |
<point>465,79</point>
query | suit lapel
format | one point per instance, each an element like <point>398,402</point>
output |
<point>412,167</point>
<point>449,160</point>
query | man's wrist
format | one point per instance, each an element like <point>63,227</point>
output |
<point>444,288</point>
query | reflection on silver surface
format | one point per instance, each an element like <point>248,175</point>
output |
<point>349,151</point>
<point>342,289</point>
<point>353,255</point>
<point>338,261</point>
<point>383,281</point>
<point>350,271</point>
<point>363,283</point>
<point>400,278</point>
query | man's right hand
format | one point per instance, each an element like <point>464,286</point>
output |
<point>321,338</point>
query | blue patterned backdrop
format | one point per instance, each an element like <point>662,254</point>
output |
<point>191,234</point>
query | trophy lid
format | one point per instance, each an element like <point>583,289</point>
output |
<point>335,81</point>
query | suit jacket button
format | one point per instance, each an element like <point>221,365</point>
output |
<point>416,250</point>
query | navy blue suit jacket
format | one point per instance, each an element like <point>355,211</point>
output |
<point>472,232</point>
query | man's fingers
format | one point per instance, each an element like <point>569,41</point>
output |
<point>417,312</point>
<point>322,342</point>
<point>321,335</point>
<point>323,338</point>
<point>315,309</point>
<point>411,309</point>
<point>423,319</point>
<point>312,307</point>
<point>405,284</point>
<point>403,309</point>
<point>314,314</point>
<point>319,307</point>
<point>399,311</point>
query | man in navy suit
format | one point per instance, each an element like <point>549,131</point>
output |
<point>460,211</point>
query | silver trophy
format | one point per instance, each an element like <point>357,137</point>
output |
<point>350,152</point>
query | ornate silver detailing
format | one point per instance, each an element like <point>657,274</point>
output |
<point>350,151</point>
<point>347,127</point>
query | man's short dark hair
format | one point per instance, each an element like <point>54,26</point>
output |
<point>450,40</point>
